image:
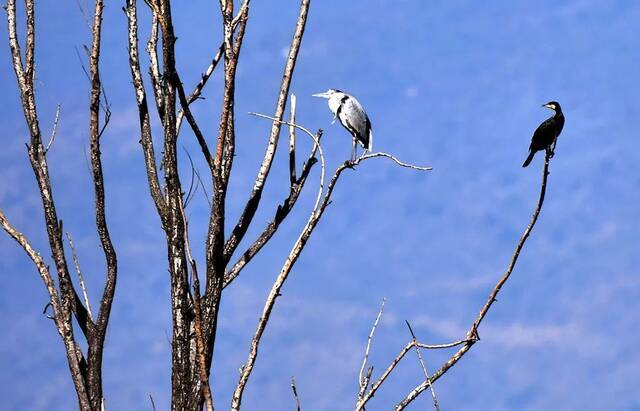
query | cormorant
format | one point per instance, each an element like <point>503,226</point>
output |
<point>547,133</point>
<point>352,116</point>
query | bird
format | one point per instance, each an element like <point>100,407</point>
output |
<point>352,116</point>
<point>547,133</point>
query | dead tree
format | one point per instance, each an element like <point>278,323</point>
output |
<point>194,308</point>
<point>86,370</point>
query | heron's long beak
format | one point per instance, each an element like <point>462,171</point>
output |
<point>321,95</point>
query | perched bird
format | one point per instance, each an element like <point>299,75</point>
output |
<point>352,116</point>
<point>547,133</point>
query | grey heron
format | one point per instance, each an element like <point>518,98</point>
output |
<point>547,133</point>
<point>352,116</point>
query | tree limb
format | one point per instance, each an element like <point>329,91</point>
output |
<point>316,214</point>
<point>96,340</point>
<point>283,209</point>
<point>251,207</point>
<point>146,139</point>
<point>472,334</point>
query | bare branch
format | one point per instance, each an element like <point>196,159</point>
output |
<point>316,145</point>
<point>286,206</point>
<point>472,334</point>
<point>321,204</point>
<point>35,256</point>
<point>30,44</point>
<point>424,368</point>
<point>372,391</point>
<point>204,379</point>
<point>398,162</point>
<point>154,65</point>
<point>61,318</point>
<point>197,91</point>
<point>295,393</point>
<point>54,130</point>
<point>83,287</point>
<point>192,122</point>
<point>223,161</point>
<point>251,207</point>
<point>145,123</point>
<point>98,334</point>
<point>364,378</point>
<point>292,142</point>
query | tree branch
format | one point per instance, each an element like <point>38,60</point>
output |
<point>363,379</point>
<point>292,142</point>
<point>154,65</point>
<point>294,389</point>
<point>54,130</point>
<point>251,207</point>
<point>192,122</point>
<point>424,368</point>
<point>146,139</point>
<point>96,340</point>
<point>197,91</point>
<point>83,287</point>
<point>321,204</point>
<point>200,350</point>
<point>283,208</point>
<point>35,256</point>
<point>472,334</point>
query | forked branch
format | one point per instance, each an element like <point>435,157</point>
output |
<point>472,334</point>
<point>323,200</point>
<point>251,207</point>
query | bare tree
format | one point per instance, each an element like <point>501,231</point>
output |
<point>86,370</point>
<point>194,308</point>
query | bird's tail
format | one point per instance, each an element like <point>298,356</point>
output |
<point>370,145</point>
<point>529,158</point>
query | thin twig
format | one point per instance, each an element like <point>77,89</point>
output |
<point>153,404</point>
<point>195,94</point>
<point>154,65</point>
<point>283,208</point>
<point>54,130</point>
<point>363,379</point>
<point>317,144</point>
<point>372,391</point>
<point>295,393</point>
<point>83,286</point>
<point>424,367</point>
<point>204,189</point>
<point>193,185</point>
<point>292,141</point>
<point>202,141</point>
<point>398,162</point>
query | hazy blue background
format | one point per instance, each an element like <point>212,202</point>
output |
<point>456,85</point>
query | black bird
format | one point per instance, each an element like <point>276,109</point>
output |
<point>547,133</point>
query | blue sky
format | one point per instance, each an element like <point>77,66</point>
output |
<point>454,85</point>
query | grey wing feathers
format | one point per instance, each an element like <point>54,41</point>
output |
<point>355,119</point>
